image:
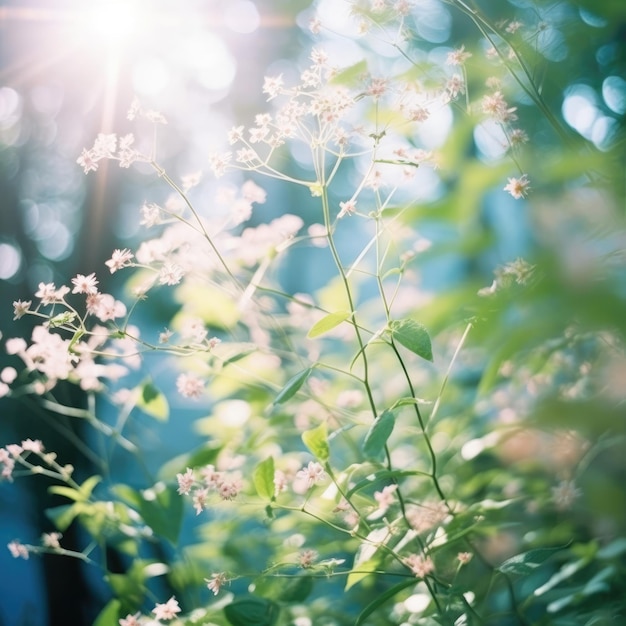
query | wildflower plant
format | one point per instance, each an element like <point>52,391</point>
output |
<point>371,451</point>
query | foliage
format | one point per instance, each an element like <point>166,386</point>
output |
<point>401,445</point>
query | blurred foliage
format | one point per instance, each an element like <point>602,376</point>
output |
<point>530,433</point>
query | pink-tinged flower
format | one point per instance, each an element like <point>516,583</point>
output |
<point>385,498</point>
<point>315,26</point>
<point>20,308</point>
<point>319,56</point>
<point>211,477</point>
<point>235,134</point>
<point>105,307</point>
<point>458,56</point>
<point>151,214</point>
<point>253,193</point>
<point>15,345</point>
<point>8,375</point>
<point>18,550</point>
<point>377,87</point>
<point>155,117</point>
<point>32,445</point>
<point>258,134</point>
<point>49,294</point>
<point>88,161</point>
<point>130,620</point>
<point>51,540</point>
<point>514,26</point>
<point>518,187</point>
<point>347,208</point>
<point>119,259</point>
<point>419,564</point>
<point>85,284</point>
<point>306,558</point>
<point>455,85</point>
<point>185,481</point>
<point>216,582</point>
<point>464,557</point>
<point>518,137</point>
<point>313,474</point>
<point>200,498</point>
<point>170,274</point>
<point>280,482</point>
<point>219,162</point>
<point>496,106</point>
<point>105,145</point>
<point>402,7</point>
<point>565,494</point>
<point>272,86</point>
<point>165,336</point>
<point>189,385</point>
<point>229,489</point>
<point>134,110</point>
<point>167,610</point>
<point>14,449</point>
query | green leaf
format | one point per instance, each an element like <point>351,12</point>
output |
<point>67,492</point>
<point>350,74</point>
<point>413,336</point>
<point>263,478</point>
<point>153,402</point>
<point>164,514</point>
<point>110,614</point>
<point>297,589</point>
<point>613,549</point>
<point>377,435</point>
<point>366,559</point>
<point>316,440</point>
<point>161,508</point>
<point>381,599</point>
<point>252,611</point>
<point>63,516</point>
<point>567,571</point>
<point>380,476</point>
<point>526,562</point>
<point>327,323</point>
<point>362,571</point>
<point>292,386</point>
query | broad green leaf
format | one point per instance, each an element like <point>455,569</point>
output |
<point>413,336</point>
<point>316,440</point>
<point>568,570</point>
<point>361,571</point>
<point>377,435</point>
<point>160,508</point>
<point>327,323</point>
<point>67,492</point>
<point>297,589</point>
<point>366,560</point>
<point>252,611</point>
<point>381,599</point>
<point>263,478</point>
<point>82,494</point>
<point>110,614</point>
<point>163,513</point>
<point>153,402</point>
<point>383,476</point>
<point>63,516</point>
<point>350,74</point>
<point>292,386</point>
<point>613,549</point>
<point>526,562</point>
